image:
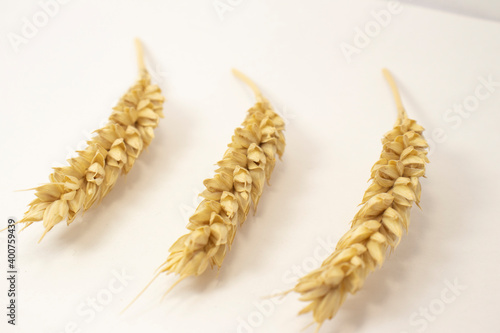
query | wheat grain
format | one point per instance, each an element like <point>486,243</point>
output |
<point>113,150</point>
<point>378,225</point>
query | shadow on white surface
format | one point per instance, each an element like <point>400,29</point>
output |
<point>482,9</point>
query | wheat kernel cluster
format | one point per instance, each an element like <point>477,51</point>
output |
<point>238,182</point>
<point>111,152</point>
<point>379,223</point>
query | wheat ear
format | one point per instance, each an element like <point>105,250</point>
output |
<point>378,225</point>
<point>113,150</point>
<point>238,181</point>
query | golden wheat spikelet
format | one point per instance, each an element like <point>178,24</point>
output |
<point>112,151</point>
<point>378,225</point>
<point>240,179</point>
<point>246,166</point>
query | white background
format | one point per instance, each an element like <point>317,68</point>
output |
<point>61,85</point>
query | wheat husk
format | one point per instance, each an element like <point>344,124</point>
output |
<point>112,151</point>
<point>379,224</point>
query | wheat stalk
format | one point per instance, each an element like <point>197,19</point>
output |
<point>238,182</point>
<point>378,225</point>
<point>113,150</point>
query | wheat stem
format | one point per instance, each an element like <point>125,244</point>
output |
<point>140,56</point>
<point>250,83</point>
<point>395,91</point>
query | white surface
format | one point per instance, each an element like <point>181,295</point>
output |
<point>487,9</point>
<point>63,82</point>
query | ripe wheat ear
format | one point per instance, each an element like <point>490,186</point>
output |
<point>112,151</point>
<point>238,182</point>
<point>378,225</point>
